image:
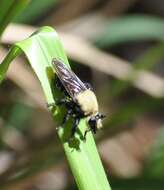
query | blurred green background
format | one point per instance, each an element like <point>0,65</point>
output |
<point>118,47</point>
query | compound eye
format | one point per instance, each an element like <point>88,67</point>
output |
<point>100,116</point>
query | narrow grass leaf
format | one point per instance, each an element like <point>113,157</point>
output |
<point>131,28</point>
<point>154,166</point>
<point>40,49</point>
<point>35,10</point>
<point>9,9</point>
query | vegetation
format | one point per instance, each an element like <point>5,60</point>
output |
<point>116,47</point>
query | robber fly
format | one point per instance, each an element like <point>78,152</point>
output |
<point>79,100</point>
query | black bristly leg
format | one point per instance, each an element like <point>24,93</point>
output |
<point>59,84</point>
<point>74,127</point>
<point>62,101</point>
<point>93,129</point>
<point>59,102</point>
<point>66,117</point>
<point>85,134</point>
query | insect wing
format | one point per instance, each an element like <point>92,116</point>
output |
<point>68,78</point>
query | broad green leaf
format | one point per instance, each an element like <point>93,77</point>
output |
<point>131,28</point>
<point>40,49</point>
<point>9,9</point>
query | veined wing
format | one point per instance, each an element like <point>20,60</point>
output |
<point>69,79</point>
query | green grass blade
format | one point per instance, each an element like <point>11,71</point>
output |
<point>131,28</point>
<point>155,160</point>
<point>150,58</point>
<point>36,9</point>
<point>83,157</point>
<point>8,9</point>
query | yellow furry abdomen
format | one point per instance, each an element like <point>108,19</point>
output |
<point>88,102</point>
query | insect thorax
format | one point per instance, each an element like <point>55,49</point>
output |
<point>88,102</point>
